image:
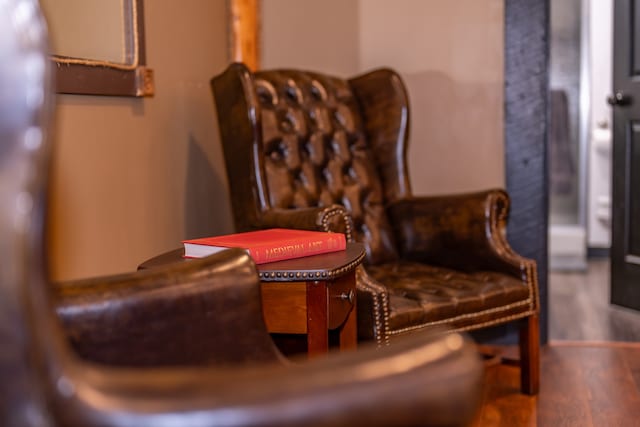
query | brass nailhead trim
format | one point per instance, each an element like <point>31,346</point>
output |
<point>380,307</point>
<point>470,316</point>
<point>329,274</point>
<point>529,278</point>
<point>348,226</point>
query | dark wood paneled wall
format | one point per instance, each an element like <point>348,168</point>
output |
<point>526,44</point>
<point>526,95</point>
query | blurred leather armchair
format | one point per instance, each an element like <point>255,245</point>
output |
<point>170,316</point>
<point>298,141</point>
<point>433,380</point>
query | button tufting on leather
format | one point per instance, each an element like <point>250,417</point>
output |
<point>353,140</point>
<point>266,93</point>
<point>288,123</point>
<point>275,150</point>
<point>306,149</point>
<point>321,120</point>
<point>339,118</point>
<point>323,115</point>
<point>317,91</point>
<point>293,93</point>
<point>312,118</point>
<point>345,116</point>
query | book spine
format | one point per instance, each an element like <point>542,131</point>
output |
<point>299,248</point>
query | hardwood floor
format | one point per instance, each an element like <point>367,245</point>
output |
<point>590,371</point>
<point>581,384</point>
<point>579,308</point>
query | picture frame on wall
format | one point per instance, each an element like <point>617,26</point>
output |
<point>99,47</point>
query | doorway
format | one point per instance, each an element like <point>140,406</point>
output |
<point>580,175</point>
<point>580,137</point>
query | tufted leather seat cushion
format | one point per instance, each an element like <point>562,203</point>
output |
<point>422,294</point>
<point>315,153</point>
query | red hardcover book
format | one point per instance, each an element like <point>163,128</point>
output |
<point>270,245</point>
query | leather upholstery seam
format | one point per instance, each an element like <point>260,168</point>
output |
<point>467,316</point>
<point>348,223</point>
<point>380,307</point>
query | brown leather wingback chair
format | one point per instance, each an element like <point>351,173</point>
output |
<point>300,146</point>
<point>432,380</point>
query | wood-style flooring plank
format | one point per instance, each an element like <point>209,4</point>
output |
<point>503,404</point>
<point>591,377</point>
<point>561,401</point>
<point>614,397</point>
<point>579,307</point>
<point>581,384</point>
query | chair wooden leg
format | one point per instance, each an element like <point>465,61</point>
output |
<point>530,355</point>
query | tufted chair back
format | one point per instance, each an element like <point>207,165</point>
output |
<point>315,140</point>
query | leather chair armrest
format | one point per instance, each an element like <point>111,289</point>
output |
<point>466,232</point>
<point>192,313</point>
<point>327,218</point>
<point>373,308</point>
<point>425,378</point>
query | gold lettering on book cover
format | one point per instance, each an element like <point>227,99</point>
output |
<point>286,250</point>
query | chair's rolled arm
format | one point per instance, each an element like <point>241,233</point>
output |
<point>424,379</point>
<point>203,311</point>
<point>465,231</point>
<point>373,309</point>
<point>333,218</point>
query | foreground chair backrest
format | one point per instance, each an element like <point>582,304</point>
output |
<point>310,150</point>
<point>431,380</point>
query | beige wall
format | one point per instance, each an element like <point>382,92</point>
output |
<point>135,176</point>
<point>450,54</point>
<point>310,34</point>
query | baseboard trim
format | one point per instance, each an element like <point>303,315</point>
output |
<point>598,252</point>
